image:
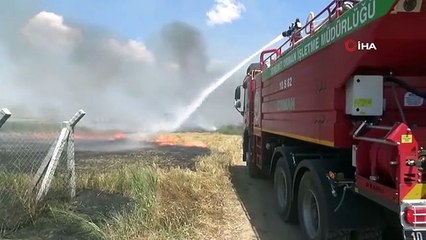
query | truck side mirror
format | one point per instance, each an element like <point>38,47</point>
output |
<point>238,104</point>
<point>238,93</point>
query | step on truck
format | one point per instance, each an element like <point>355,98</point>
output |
<point>336,116</point>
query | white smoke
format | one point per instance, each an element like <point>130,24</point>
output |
<point>50,68</point>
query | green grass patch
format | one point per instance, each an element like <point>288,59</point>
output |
<point>231,129</point>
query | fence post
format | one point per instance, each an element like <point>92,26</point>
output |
<point>71,163</point>
<point>42,168</point>
<point>57,152</point>
<point>4,115</point>
<point>51,161</point>
<point>71,152</point>
<point>76,118</point>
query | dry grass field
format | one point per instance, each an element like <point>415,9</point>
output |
<point>179,186</point>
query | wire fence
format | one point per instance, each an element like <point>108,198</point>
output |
<point>36,158</point>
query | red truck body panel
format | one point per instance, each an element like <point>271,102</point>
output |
<point>314,103</point>
<point>299,103</point>
<point>302,96</point>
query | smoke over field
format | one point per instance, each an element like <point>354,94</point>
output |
<point>50,67</point>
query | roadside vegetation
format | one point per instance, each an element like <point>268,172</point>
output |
<point>142,199</point>
<point>231,129</point>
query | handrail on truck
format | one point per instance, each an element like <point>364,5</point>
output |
<point>333,9</point>
<point>383,140</point>
<point>276,52</point>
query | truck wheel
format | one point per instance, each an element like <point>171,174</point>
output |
<point>244,154</point>
<point>245,145</point>
<point>312,210</point>
<point>253,170</point>
<point>283,191</point>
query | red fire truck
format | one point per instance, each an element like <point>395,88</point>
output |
<point>337,117</point>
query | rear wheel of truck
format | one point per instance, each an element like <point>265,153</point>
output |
<point>283,191</point>
<point>312,211</point>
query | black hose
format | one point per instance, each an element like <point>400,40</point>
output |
<point>406,86</point>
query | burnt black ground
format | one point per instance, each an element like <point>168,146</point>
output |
<point>107,154</point>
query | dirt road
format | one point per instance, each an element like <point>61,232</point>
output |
<point>256,197</point>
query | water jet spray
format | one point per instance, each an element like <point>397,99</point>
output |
<point>197,102</point>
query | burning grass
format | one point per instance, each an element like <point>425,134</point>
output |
<point>141,199</point>
<point>177,140</point>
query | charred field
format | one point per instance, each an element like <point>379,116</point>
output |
<point>110,154</point>
<point>171,186</point>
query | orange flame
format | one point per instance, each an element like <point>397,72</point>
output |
<point>166,140</point>
<point>171,140</point>
<point>119,136</point>
<point>99,136</point>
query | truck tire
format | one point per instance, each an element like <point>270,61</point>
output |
<point>312,211</point>
<point>284,192</point>
<point>253,170</point>
<point>245,145</point>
